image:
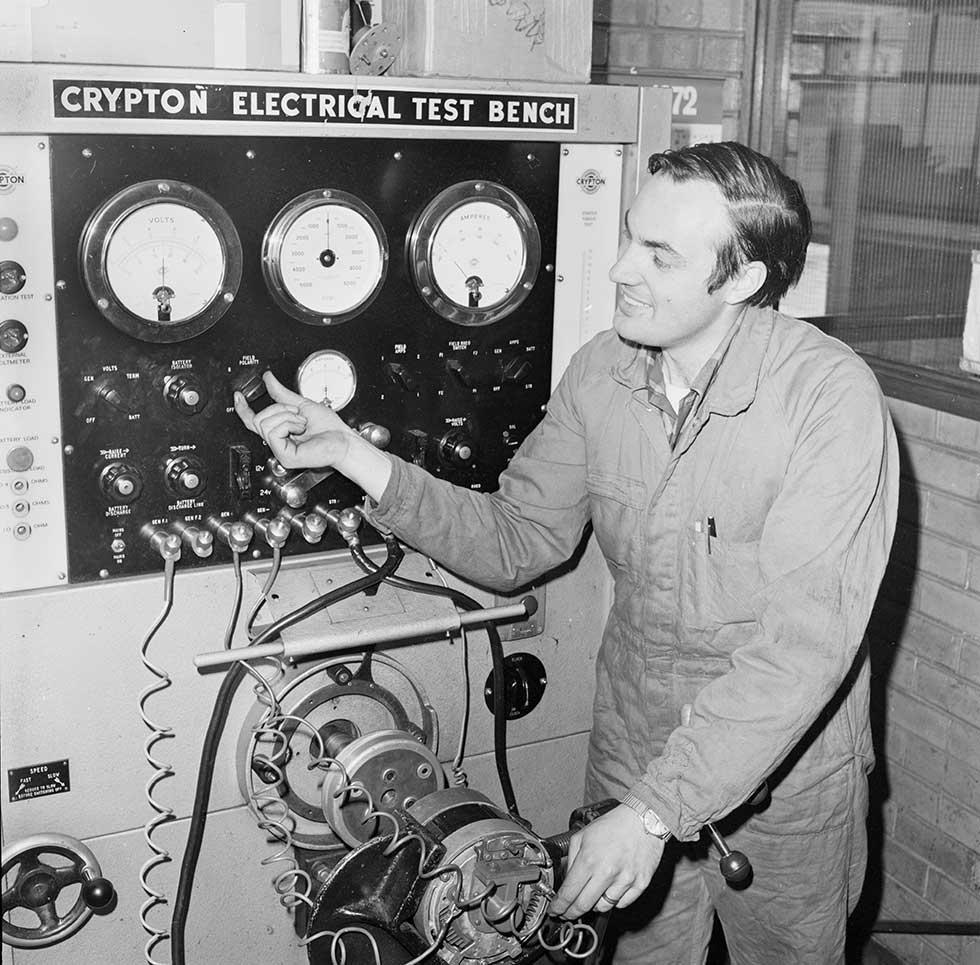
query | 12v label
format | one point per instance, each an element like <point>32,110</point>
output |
<point>38,780</point>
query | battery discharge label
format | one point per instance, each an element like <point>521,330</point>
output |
<point>38,780</point>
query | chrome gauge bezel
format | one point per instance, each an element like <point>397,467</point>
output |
<point>272,252</point>
<point>312,359</point>
<point>425,232</point>
<point>97,239</point>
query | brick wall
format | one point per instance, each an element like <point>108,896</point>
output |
<point>705,38</point>
<point>926,663</point>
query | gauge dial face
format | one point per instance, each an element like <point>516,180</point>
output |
<point>474,252</point>
<point>164,262</point>
<point>327,376</point>
<point>478,254</point>
<point>325,257</point>
<point>161,260</point>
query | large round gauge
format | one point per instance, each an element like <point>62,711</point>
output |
<point>474,252</point>
<point>327,376</point>
<point>161,260</point>
<point>325,257</point>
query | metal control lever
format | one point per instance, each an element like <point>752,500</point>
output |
<point>734,866</point>
<point>293,490</point>
<point>369,636</point>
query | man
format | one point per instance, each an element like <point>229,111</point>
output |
<point>739,469</point>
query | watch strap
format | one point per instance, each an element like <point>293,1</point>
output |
<point>652,824</point>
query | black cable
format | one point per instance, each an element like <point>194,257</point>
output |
<point>219,716</point>
<point>465,602</point>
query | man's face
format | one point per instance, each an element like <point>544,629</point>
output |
<point>666,258</point>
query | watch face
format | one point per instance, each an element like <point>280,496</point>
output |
<point>653,825</point>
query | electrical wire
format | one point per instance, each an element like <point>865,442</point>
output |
<point>161,770</point>
<point>219,717</point>
<point>459,775</point>
<point>266,590</point>
<point>497,660</point>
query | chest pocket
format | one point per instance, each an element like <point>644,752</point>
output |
<point>616,503</point>
<point>719,587</point>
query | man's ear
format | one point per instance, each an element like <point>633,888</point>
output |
<point>750,278</point>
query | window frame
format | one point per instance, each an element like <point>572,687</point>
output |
<point>765,130</point>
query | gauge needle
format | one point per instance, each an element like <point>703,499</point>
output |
<point>449,257</point>
<point>163,272</point>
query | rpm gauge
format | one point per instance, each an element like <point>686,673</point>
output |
<point>161,260</point>
<point>474,252</point>
<point>325,257</point>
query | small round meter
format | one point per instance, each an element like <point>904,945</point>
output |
<point>324,257</point>
<point>474,252</point>
<point>161,260</point>
<point>327,376</point>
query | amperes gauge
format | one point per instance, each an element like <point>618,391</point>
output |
<point>474,252</point>
<point>325,257</point>
<point>162,260</point>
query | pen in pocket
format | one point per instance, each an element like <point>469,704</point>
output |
<point>707,526</point>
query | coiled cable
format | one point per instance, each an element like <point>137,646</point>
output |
<point>161,770</point>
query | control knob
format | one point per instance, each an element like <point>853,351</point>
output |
<point>121,482</point>
<point>110,390</point>
<point>185,476</point>
<point>457,449</point>
<point>185,393</point>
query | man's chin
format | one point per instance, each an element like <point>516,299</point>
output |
<point>634,329</point>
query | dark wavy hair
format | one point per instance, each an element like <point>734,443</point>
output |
<point>770,218</point>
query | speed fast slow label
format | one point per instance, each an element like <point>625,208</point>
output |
<point>471,110</point>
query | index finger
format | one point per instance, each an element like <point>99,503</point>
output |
<point>279,393</point>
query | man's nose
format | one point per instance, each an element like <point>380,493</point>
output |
<point>623,271</point>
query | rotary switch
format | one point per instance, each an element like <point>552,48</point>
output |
<point>121,482</point>
<point>111,391</point>
<point>457,449</point>
<point>185,476</point>
<point>185,393</point>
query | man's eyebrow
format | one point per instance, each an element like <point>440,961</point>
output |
<point>652,245</point>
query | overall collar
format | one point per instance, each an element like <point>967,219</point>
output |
<point>728,381</point>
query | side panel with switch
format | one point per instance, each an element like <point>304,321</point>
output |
<point>32,522</point>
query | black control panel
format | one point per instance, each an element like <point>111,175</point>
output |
<point>150,438</point>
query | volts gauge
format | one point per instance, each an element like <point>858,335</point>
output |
<point>474,252</point>
<point>327,376</point>
<point>162,260</point>
<point>325,257</point>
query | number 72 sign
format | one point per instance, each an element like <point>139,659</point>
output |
<point>696,109</point>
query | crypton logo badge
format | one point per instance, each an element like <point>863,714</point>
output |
<point>591,181</point>
<point>9,179</point>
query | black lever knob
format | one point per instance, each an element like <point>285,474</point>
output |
<point>98,893</point>
<point>734,866</point>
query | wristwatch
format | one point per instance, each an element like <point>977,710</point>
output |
<point>651,823</point>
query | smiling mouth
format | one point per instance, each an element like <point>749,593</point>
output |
<point>629,302</point>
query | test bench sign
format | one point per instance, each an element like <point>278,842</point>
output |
<point>388,107</point>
